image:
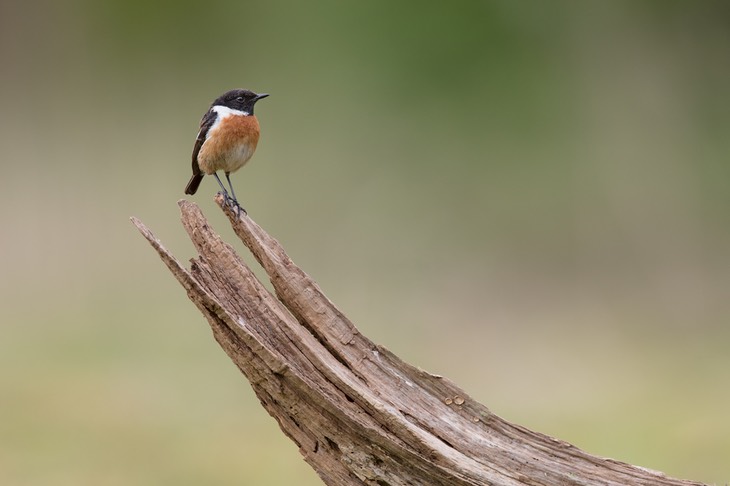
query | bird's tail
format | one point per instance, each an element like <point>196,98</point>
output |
<point>192,186</point>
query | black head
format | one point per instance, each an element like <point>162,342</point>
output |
<point>239,99</point>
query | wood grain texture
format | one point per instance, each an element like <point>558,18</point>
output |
<point>358,413</point>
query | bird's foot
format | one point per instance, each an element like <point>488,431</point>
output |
<point>238,208</point>
<point>232,203</point>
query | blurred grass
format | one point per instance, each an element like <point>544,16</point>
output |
<point>530,199</point>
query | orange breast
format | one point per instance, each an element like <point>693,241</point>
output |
<point>230,144</point>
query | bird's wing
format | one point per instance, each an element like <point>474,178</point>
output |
<point>205,124</point>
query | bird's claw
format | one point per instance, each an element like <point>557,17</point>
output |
<point>237,206</point>
<point>233,204</point>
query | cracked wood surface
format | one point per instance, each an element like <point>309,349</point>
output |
<point>358,413</point>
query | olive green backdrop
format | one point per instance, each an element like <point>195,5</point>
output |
<point>528,197</point>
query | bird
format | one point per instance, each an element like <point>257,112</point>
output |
<point>228,136</point>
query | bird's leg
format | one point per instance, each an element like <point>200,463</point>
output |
<point>233,193</point>
<point>226,198</point>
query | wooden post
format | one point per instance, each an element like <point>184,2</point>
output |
<point>358,413</point>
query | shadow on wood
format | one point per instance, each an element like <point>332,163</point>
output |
<point>358,413</point>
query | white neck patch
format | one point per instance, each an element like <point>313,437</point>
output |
<point>224,111</point>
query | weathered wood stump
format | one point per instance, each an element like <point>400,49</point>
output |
<point>358,413</point>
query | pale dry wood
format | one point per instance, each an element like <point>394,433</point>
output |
<point>358,413</point>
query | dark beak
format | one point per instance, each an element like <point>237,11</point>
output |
<point>262,95</point>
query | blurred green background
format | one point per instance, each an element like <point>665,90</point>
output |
<point>528,197</point>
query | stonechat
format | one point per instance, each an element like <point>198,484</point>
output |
<point>229,133</point>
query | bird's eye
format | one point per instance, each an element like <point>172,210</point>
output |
<point>240,98</point>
